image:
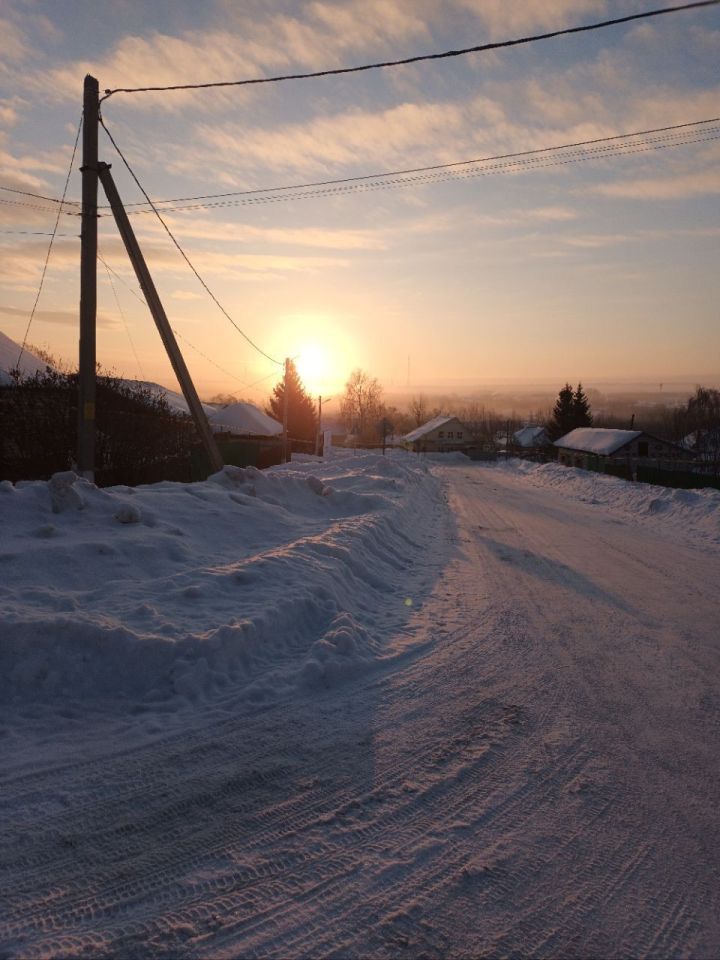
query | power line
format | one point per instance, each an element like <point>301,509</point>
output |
<point>177,332</point>
<point>122,314</point>
<point>50,246</point>
<point>217,365</point>
<point>433,167</point>
<point>262,191</point>
<point>182,252</point>
<point>480,48</point>
<point>40,196</point>
<point>23,203</point>
<point>40,233</point>
<point>522,165</point>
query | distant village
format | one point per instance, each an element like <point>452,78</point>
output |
<point>145,434</point>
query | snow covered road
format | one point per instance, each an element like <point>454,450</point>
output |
<point>532,771</point>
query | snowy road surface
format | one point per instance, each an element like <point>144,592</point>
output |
<point>536,773</point>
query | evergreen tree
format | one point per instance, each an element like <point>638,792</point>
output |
<point>581,408</point>
<point>563,415</point>
<point>302,417</point>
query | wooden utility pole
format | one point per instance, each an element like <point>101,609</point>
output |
<point>88,281</point>
<point>160,317</point>
<point>285,412</point>
<point>319,427</point>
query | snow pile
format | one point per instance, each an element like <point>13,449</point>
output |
<point>696,512</point>
<point>251,583</point>
<point>9,351</point>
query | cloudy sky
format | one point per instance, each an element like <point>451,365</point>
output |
<point>604,268</point>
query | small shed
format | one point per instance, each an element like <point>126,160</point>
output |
<point>589,447</point>
<point>439,435</point>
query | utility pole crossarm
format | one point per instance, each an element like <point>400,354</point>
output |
<point>160,317</point>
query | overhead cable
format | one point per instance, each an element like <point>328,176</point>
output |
<point>24,203</point>
<point>480,48</point>
<point>50,246</point>
<point>122,314</point>
<point>437,166</point>
<point>40,233</point>
<point>40,196</point>
<point>182,252</point>
<point>160,204</point>
<point>177,333</point>
<point>474,169</point>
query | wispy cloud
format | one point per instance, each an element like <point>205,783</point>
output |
<point>14,46</point>
<point>219,231</point>
<point>242,45</point>
<point>60,317</point>
<point>698,176</point>
<point>663,188</point>
<point>185,295</point>
<point>505,20</point>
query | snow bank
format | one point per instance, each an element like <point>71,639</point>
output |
<point>695,512</point>
<point>251,582</point>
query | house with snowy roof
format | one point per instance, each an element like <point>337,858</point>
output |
<point>588,447</point>
<point>243,420</point>
<point>530,439</point>
<point>440,435</point>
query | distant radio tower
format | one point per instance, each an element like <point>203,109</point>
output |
<point>408,373</point>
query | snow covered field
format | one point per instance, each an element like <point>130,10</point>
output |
<point>366,706</point>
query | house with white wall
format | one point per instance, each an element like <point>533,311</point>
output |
<point>439,435</point>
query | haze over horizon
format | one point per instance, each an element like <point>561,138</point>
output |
<point>603,271</point>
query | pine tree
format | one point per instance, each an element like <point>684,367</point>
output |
<point>302,418</point>
<point>563,415</point>
<point>581,408</point>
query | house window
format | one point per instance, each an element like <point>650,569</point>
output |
<point>459,436</point>
<point>642,448</point>
<point>450,434</point>
<point>441,433</point>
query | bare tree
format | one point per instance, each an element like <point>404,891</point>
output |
<point>361,406</point>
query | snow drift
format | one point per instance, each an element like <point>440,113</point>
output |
<point>694,513</point>
<point>251,581</point>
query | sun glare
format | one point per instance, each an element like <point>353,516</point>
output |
<point>313,365</point>
<point>323,352</point>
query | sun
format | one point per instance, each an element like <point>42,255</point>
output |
<point>313,365</point>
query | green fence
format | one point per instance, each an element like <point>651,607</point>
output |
<point>646,473</point>
<point>259,453</point>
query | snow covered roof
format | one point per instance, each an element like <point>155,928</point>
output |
<point>244,418</point>
<point>241,418</point>
<point>597,440</point>
<point>29,363</point>
<point>529,436</point>
<point>427,428</point>
<point>174,399</point>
